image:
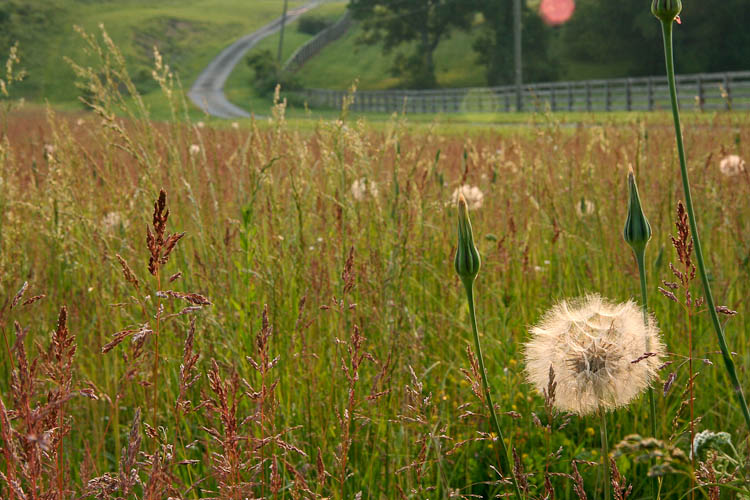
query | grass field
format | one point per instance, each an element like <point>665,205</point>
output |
<point>329,325</point>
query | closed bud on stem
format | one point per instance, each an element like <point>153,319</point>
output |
<point>467,256</point>
<point>637,231</point>
<point>666,10</point>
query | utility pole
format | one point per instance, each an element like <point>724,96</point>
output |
<point>281,35</point>
<point>517,53</point>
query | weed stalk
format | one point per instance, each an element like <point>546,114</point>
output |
<point>667,25</point>
<point>467,267</point>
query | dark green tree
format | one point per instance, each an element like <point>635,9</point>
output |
<point>418,24</point>
<point>494,45</point>
<point>616,39</point>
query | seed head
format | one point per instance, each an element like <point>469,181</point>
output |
<point>666,10</point>
<point>467,259</point>
<point>637,231</point>
<point>602,353</point>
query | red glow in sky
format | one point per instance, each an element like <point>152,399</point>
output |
<point>556,12</point>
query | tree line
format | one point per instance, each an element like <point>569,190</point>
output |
<point>603,39</point>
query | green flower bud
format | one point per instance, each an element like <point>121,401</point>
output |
<point>666,10</point>
<point>637,228</point>
<point>467,259</point>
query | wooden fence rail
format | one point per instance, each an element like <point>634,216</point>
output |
<point>705,91</point>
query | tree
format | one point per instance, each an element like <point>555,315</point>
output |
<point>623,39</point>
<point>419,24</point>
<point>494,45</point>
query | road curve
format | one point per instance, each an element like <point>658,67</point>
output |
<point>208,90</point>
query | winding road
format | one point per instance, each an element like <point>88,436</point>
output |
<point>208,90</point>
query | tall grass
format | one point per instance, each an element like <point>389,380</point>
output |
<point>323,372</point>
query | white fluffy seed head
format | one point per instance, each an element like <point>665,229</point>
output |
<point>363,187</point>
<point>592,345</point>
<point>731,165</point>
<point>473,195</point>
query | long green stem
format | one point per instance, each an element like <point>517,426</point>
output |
<point>728,362</point>
<point>504,460</point>
<point>640,258</point>
<point>605,453</point>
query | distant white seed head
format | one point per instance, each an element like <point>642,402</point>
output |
<point>194,149</point>
<point>591,344</point>
<point>585,207</point>
<point>473,195</point>
<point>731,165</point>
<point>363,187</point>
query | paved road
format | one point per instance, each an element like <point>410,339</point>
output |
<point>208,90</point>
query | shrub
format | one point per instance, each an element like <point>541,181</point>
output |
<point>312,25</point>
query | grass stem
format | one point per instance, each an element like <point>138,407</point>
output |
<point>640,258</point>
<point>605,453</point>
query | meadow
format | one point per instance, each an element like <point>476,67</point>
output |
<point>270,310</point>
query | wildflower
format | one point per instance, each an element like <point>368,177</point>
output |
<point>200,124</point>
<point>709,440</point>
<point>637,232</point>
<point>194,149</point>
<point>363,187</point>
<point>474,196</point>
<point>49,151</point>
<point>666,10</point>
<point>467,260</point>
<point>603,354</point>
<point>731,165</point>
<point>584,207</point>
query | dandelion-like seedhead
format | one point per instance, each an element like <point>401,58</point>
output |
<point>602,353</point>
<point>731,165</point>
<point>585,208</point>
<point>473,195</point>
<point>363,187</point>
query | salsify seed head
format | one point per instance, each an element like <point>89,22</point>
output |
<point>602,353</point>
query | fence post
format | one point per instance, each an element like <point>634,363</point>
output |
<point>607,97</point>
<point>650,93</point>
<point>588,96</point>
<point>701,92</point>
<point>728,91</point>
<point>570,96</point>
<point>552,98</point>
<point>628,95</point>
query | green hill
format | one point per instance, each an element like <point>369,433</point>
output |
<point>188,33</point>
<point>343,61</point>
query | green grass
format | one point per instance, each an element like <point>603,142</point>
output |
<point>344,61</point>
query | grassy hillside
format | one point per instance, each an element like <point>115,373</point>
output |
<point>339,64</point>
<point>188,33</point>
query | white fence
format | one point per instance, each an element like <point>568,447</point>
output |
<point>706,91</point>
